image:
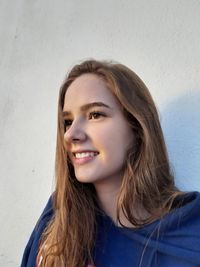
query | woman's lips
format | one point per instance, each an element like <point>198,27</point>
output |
<point>84,159</point>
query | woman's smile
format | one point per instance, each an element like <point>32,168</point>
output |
<point>83,157</point>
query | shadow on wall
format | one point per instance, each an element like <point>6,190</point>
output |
<point>181,126</point>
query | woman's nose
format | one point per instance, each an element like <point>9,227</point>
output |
<point>75,133</point>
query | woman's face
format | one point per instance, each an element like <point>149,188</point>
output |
<point>97,134</point>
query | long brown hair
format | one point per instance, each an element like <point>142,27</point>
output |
<point>147,182</point>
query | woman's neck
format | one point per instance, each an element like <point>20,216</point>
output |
<point>108,196</point>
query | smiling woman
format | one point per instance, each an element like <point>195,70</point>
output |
<point>115,201</point>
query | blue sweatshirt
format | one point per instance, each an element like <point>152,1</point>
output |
<point>173,241</point>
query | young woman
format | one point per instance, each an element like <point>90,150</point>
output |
<point>115,203</point>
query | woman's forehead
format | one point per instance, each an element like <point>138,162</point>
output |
<point>88,88</point>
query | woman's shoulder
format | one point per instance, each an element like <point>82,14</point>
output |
<point>174,239</point>
<point>184,217</point>
<point>30,252</point>
<point>47,213</point>
<point>186,210</point>
<point>180,229</point>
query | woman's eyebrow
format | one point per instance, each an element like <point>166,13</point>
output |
<point>88,106</point>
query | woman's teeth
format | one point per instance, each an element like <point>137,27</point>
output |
<point>85,154</point>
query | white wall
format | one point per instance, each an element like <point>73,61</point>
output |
<point>39,41</point>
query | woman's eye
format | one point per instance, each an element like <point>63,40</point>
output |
<point>67,123</point>
<point>96,115</point>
